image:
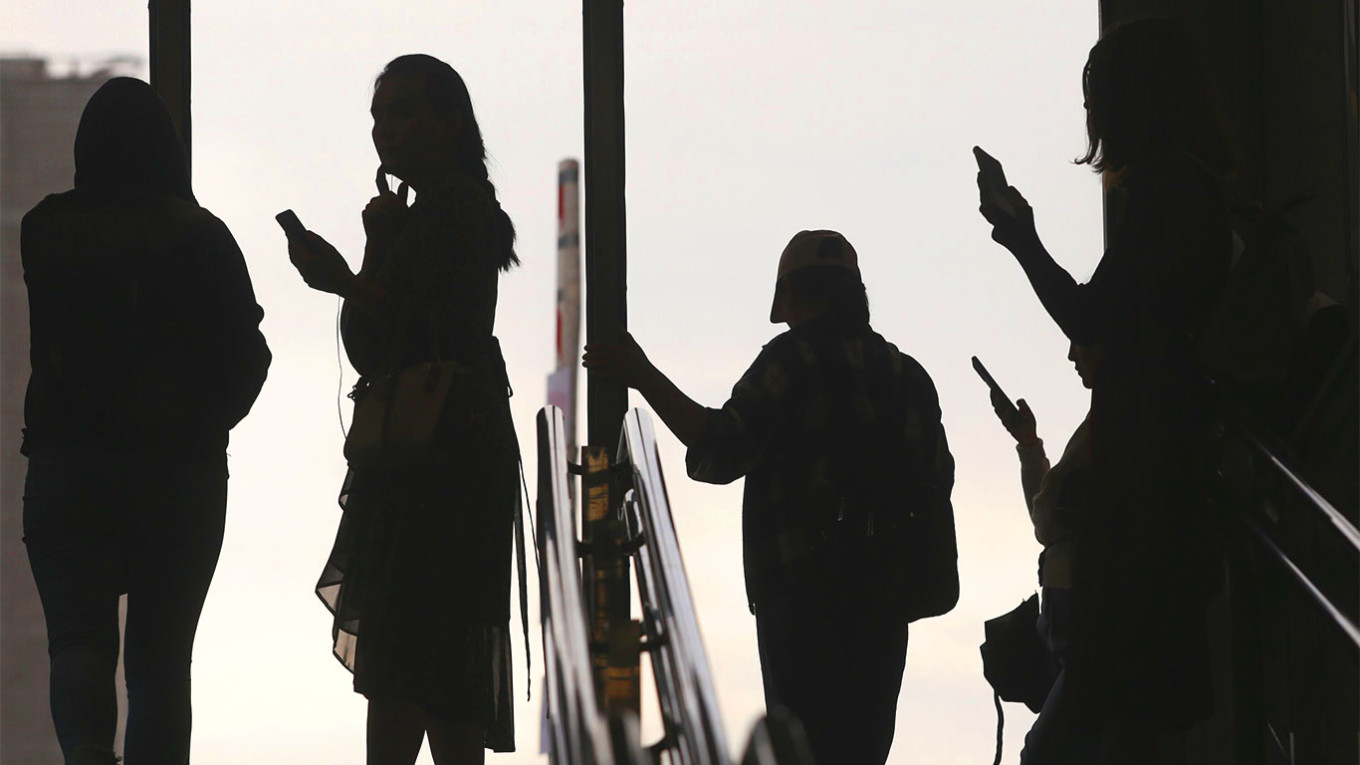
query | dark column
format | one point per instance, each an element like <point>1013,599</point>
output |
<point>171,60</point>
<point>606,240</point>
<point>614,635</point>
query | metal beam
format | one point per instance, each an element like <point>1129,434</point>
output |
<point>171,61</point>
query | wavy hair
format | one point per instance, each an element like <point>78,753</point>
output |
<point>450,99</point>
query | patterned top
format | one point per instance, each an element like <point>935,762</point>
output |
<point>440,271</point>
<point>825,419</point>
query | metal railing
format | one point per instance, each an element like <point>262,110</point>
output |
<point>684,686</point>
<point>1325,511</point>
<point>580,733</point>
<point>1295,639</point>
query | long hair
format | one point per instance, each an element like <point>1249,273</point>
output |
<point>1147,91</point>
<point>450,99</point>
<point>127,144</point>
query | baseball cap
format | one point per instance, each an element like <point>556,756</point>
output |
<point>808,249</point>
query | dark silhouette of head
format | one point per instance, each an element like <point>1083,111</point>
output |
<point>1086,358</point>
<point>127,144</point>
<point>819,277</point>
<point>431,126</point>
<point>1146,92</point>
<point>834,294</point>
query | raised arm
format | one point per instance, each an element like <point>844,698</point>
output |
<point>1077,308</point>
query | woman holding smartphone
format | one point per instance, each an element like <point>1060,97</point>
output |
<point>419,576</point>
<point>1146,561</point>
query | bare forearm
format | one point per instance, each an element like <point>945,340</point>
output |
<point>683,415</point>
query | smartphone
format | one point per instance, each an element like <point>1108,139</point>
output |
<point>292,227</point>
<point>994,180</point>
<point>991,383</point>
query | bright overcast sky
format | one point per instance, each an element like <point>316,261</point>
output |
<point>746,122</point>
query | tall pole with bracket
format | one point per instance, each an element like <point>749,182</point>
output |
<point>614,635</point>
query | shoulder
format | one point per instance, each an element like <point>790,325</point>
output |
<point>911,377</point>
<point>459,198</point>
<point>51,206</point>
<point>789,350</point>
<point>1172,177</point>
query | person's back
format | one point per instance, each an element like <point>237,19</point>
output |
<point>847,528</point>
<point>146,350</point>
<point>852,445</point>
<point>143,325</point>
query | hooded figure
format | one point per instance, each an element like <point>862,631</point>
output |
<point>127,144</point>
<point>144,324</point>
<point>146,351</point>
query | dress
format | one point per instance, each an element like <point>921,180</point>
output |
<point>419,577</point>
<point>1145,564</point>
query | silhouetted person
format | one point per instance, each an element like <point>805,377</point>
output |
<point>1055,498</point>
<point>838,435</point>
<point>419,576</point>
<point>146,351</point>
<point>1137,659</point>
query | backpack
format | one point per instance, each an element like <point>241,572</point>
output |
<point>912,550</point>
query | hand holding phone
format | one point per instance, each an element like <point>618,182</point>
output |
<point>1018,420</point>
<point>292,227</point>
<point>319,263</point>
<point>991,383</point>
<point>992,182</point>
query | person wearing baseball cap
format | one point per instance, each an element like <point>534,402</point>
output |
<point>847,526</point>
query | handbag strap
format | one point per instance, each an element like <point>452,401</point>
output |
<point>1000,726</point>
<point>521,564</point>
<point>522,567</point>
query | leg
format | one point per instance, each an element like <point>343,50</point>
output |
<point>839,671</point>
<point>75,551</point>
<point>1056,738</point>
<point>793,681</point>
<point>396,729</point>
<point>875,653</point>
<point>457,743</point>
<point>174,546</point>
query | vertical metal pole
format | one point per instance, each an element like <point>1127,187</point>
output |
<point>606,243</point>
<point>171,61</point>
<point>615,659</point>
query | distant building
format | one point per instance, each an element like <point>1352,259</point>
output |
<point>39,113</point>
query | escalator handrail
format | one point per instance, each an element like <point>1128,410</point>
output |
<point>577,725</point>
<point>692,685</point>
<point>1320,503</point>
<point>1347,627</point>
